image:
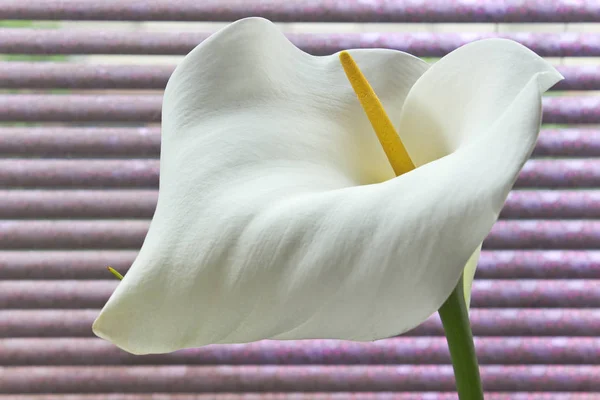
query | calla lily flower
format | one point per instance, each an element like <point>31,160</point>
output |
<point>279,215</point>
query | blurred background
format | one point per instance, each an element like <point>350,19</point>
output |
<point>81,85</point>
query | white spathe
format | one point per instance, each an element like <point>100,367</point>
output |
<point>279,216</point>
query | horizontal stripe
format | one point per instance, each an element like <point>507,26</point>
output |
<point>570,142</point>
<point>80,108</point>
<point>79,203</point>
<point>308,396</point>
<point>85,294</point>
<point>48,75</point>
<point>129,234</point>
<point>423,44</point>
<point>550,204</point>
<point>314,11</point>
<point>93,142</point>
<point>535,264</point>
<point>186,379</point>
<point>544,234</point>
<point>401,350</point>
<point>559,173</point>
<point>144,142</point>
<point>493,264</point>
<point>62,173</point>
<point>133,204</point>
<point>67,264</point>
<point>485,322</point>
<point>141,173</point>
<point>38,235</point>
<point>147,108</point>
<point>70,75</point>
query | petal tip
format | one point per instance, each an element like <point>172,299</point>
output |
<point>100,329</point>
<point>549,78</point>
<point>97,328</point>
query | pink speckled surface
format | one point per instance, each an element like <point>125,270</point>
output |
<point>570,322</point>
<point>140,204</point>
<point>493,264</point>
<point>65,294</point>
<point>423,44</point>
<point>311,10</point>
<point>147,108</point>
<point>144,142</point>
<point>21,75</point>
<point>273,378</point>
<point>399,350</point>
<point>78,190</point>
<point>363,395</point>
<point>143,173</point>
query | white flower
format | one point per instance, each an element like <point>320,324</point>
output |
<point>279,216</point>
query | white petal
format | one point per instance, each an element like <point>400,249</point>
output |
<point>460,98</point>
<point>463,94</point>
<point>270,222</point>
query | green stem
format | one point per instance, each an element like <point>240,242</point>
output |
<point>455,319</point>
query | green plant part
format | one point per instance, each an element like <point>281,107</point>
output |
<point>115,272</point>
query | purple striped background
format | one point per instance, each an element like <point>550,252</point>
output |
<point>78,187</point>
<point>309,10</point>
<point>423,44</point>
